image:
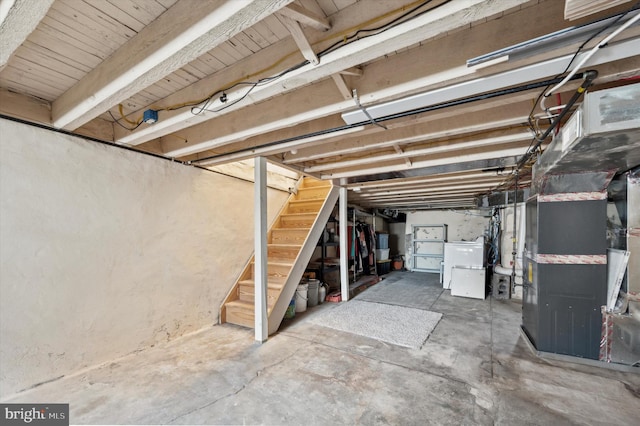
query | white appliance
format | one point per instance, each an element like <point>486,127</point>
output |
<point>462,253</point>
<point>469,281</point>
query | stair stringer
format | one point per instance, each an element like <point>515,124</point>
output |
<point>232,294</point>
<point>302,260</point>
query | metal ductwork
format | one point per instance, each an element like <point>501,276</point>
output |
<point>601,138</point>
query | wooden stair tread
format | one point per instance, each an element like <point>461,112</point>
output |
<point>296,220</point>
<point>307,201</point>
<point>279,262</point>
<point>315,193</point>
<point>240,304</point>
<point>243,305</point>
<point>315,183</point>
<point>272,284</point>
<point>298,214</point>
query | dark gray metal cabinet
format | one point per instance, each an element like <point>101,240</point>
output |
<point>561,299</point>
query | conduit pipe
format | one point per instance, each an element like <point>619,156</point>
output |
<point>422,110</point>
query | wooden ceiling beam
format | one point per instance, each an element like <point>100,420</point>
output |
<point>462,158</point>
<point>18,19</point>
<point>477,143</point>
<point>411,77</point>
<point>36,110</point>
<point>256,120</point>
<point>252,67</point>
<point>448,17</point>
<point>413,200</point>
<point>423,196</point>
<point>469,122</point>
<point>355,71</point>
<point>344,90</point>
<point>303,44</point>
<point>414,63</point>
<point>417,189</point>
<point>305,17</point>
<point>418,192</point>
<point>183,33</point>
<point>271,150</point>
<point>466,202</point>
<point>403,183</point>
<point>25,107</point>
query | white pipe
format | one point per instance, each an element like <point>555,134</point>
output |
<point>600,45</point>
<point>499,269</point>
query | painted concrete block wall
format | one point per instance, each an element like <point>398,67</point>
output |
<point>104,251</point>
<point>462,225</point>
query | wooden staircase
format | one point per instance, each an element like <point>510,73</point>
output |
<point>291,241</point>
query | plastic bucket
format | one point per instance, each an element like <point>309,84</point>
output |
<point>291,309</point>
<point>301,297</point>
<point>312,293</point>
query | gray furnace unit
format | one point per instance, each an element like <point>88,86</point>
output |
<point>565,279</point>
<point>565,271</point>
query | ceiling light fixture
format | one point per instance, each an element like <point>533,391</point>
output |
<point>612,52</point>
<point>547,42</point>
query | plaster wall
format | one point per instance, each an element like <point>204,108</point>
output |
<point>105,252</point>
<point>462,225</point>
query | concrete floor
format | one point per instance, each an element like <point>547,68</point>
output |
<point>474,369</point>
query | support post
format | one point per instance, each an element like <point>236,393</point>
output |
<point>344,249</point>
<point>260,240</point>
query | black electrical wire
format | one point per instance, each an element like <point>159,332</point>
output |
<point>115,120</point>
<point>384,27</point>
<point>443,105</point>
<point>573,58</point>
<point>588,76</point>
<point>339,44</point>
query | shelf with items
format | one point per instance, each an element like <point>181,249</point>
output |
<point>323,262</point>
<point>428,247</point>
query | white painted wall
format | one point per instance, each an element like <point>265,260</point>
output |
<point>397,238</point>
<point>104,251</point>
<point>463,225</point>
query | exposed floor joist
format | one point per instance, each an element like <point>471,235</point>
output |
<point>301,40</point>
<point>464,139</point>
<point>18,19</point>
<point>186,31</point>
<point>305,17</point>
<point>448,17</point>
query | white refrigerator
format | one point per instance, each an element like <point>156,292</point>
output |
<point>464,254</point>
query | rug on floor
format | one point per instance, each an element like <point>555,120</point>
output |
<point>398,325</point>
<point>402,293</point>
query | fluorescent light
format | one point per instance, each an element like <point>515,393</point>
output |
<point>276,149</point>
<point>613,52</point>
<point>547,42</point>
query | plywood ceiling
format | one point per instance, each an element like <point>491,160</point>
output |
<point>232,79</point>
